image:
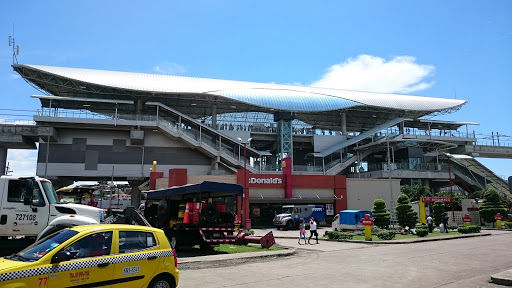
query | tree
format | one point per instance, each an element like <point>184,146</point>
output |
<point>457,201</point>
<point>438,211</point>
<point>492,204</point>
<point>380,213</point>
<point>404,212</point>
<point>415,193</point>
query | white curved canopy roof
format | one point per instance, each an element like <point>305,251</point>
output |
<point>267,95</point>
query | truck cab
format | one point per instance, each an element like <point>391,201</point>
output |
<point>29,206</point>
<point>349,220</point>
<point>293,214</point>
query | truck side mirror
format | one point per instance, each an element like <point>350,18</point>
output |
<point>61,256</point>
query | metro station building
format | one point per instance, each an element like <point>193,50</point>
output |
<point>287,144</point>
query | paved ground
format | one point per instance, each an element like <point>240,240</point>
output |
<point>328,251</point>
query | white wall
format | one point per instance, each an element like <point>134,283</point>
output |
<point>362,192</point>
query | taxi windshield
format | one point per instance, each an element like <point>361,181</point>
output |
<point>37,250</point>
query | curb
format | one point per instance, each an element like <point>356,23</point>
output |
<point>502,278</point>
<point>230,257</point>
<point>403,241</point>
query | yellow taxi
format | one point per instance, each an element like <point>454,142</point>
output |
<point>104,255</point>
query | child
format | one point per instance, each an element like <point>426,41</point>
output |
<point>302,227</point>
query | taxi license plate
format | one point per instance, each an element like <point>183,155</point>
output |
<point>131,270</point>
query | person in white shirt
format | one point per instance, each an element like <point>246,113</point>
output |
<point>312,230</point>
<point>430,224</point>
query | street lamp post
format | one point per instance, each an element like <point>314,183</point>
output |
<point>391,201</point>
<point>450,183</point>
<point>245,198</point>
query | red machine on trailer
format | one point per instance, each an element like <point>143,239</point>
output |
<point>201,214</point>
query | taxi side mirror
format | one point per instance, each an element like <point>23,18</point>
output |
<point>61,256</point>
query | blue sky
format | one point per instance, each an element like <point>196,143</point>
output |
<point>445,49</point>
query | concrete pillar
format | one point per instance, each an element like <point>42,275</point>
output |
<point>3,160</point>
<point>401,128</point>
<point>344,123</point>
<point>426,183</point>
<point>134,184</point>
<point>214,115</point>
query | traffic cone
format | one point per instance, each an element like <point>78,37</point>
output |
<point>186,217</point>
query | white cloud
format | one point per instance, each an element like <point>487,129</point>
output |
<point>371,73</point>
<point>169,68</point>
<point>14,76</point>
<point>22,162</point>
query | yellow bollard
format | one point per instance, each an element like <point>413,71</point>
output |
<point>368,232</point>
<point>367,222</point>
<point>498,219</point>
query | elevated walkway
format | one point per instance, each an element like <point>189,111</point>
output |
<point>358,138</point>
<point>480,175</point>
<point>336,166</point>
<point>486,151</point>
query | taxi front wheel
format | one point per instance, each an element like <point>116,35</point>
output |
<point>161,282</point>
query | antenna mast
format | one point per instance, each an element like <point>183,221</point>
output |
<point>15,48</point>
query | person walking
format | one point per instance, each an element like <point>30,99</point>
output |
<point>430,224</point>
<point>444,220</point>
<point>302,227</point>
<point>312,230</point>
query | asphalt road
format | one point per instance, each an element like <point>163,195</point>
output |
<point>453,263</point>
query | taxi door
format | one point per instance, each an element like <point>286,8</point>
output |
<point>137,262</point>
<point>92,264</point>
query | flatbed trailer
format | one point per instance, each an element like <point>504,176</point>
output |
<point>207,224</point>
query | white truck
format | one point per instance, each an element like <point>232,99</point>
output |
<point>293,215</point>
<point>30,209</point>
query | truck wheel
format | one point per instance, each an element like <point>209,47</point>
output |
<point>289,225</point>
<point>162,282</point>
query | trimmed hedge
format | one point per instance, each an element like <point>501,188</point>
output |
<point>469,229</point>
<point>386,235</point>
<point>507,225</point>
<point>339,235</point>
<point>421,232</point>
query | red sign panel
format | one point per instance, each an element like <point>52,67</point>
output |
<point>498,217</point>
<point>466,218</point>
<point>367,220</point>
<point>435,199</point>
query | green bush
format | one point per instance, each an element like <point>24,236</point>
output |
<point>491,205</point>
<point>421,232</point>
<point>381,215</point>
<point>453,227</point>
<point>405,213</point>
<point>469,229</point>
<point>339,235</point>
<point>507,225</point>
<point>386,235</point>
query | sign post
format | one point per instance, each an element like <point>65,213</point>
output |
<point>467,220</point>
<point>367,222</point>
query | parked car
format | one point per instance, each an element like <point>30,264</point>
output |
<point>94,255</point>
